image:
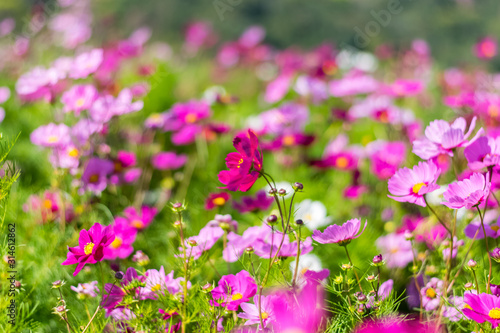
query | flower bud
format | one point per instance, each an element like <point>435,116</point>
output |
<point>298,186</point>
<point>338,279</point>
<point>119,275</point>
<point>360,309</point>
<point>272,219</point>
<point>495,289</point>
<point>468,286</point>
<point>58,284</point>
<point>249,250</point>
<point>177,224</point>
<point>378,260</point>
<point>282,192</point>
<point>192,242</point>
<point>273,191</point>
<point>495,254</point>
<point>472,264</point>
<point>346,267</point>
<point>371,278</point>
<point>178,207</point>
<point>299,222</point>
<point>207,288</point>
<point>361,298</point>
<point>408,235</point>
<point>17,284</point>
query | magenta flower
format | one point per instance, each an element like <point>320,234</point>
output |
<point>142,219</point>
<point>107,106</point>
<point>467,193</point>
<point>442,138</point>
<point>233,290</point>
<point>251,311</point>
<point>410,185</point>
<point>339,155</point>
<point>127,286</point>
<point>245,165</point>
<point>79,98</point>
<point>216,200</point>
<point>386,157</point>
<point>403,87</point>
<point>259,202</point>
<point>486,48</point>
<point>393,325</point>
<point>483,153</point>
<point>121,247</point>
<point>354,83</point>
<point>39,83</point>
<point>90,247</point>
<point>491,226</point>
<point>95,175</point>
<point>51,135</point>
<point>339,234</point>
<point>168,160</point>
<point>482,307</point>
<point>86,64</point>
<point>157,282</point>
<point>237,244</point>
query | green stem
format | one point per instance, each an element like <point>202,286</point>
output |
<point>353,268</point>
<point>487,249</point>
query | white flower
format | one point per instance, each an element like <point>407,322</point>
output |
<point>313,213</point>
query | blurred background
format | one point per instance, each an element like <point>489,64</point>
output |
<point>449,26</point>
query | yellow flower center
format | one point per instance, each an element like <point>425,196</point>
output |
<point>80,102</point>
<point>304,270</point>
<point>73,152</point>
<point>117,243</point>
<point>138,224</point>
<point>494,313</point>
<point>384,116</point>
<point>219,201</point>
<point>94,178</point>
<point>416,188</point>
<point>265,315</point>
<point>467,306</point>
<point>53,139</point>
<point>88,248</point>
<point>495,227</point>
<point>288,140</point>
<point>240,162</point>
<point>236,297</point>
<point>47,204</point>
<point>431,293</point>
<point>156,287</point>
<point>342,162</point>
<point>394,250</point>
<point>191,118</point>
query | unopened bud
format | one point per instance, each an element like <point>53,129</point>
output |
<point>249,249</point>
<point>192,242</point>
<point>472,264</point>
<point>282,192</point>
<point>298,186</point>
<point>378,260</point>
<point>468,286</point>
<point>409,235</point>
<point>271,219</point>
<point>299,222</point>
<point>273,191</point>
<point>119,275</point>
<point>346,267</point>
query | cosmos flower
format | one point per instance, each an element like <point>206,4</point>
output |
<point>402,87</point>
<point>482,307</point>
<point>95,175</point>
<point>85,290</point>
<point>107,106</point>
<point>386,157</point>
<point>86,64</point>
<point>157,282</point>
<point>491,226</point>
<point>396,250</point>
<point>168,160</point>
<point>121,247</point>
<point>431,294</point>
<point>339,234</point>
<point>216,200</point>
<point>339,155</point>
<point>442,137</point>
<point>142,219</point>
<point>232,290</point>
<point>51,136</point>
<point>251,311</point>
<point>90,249</point>
<point>79,98</point>
<point>131,284</point>
<point>394,325</point>
<point>467,193</point>
<point>312,213</point>
<point>245,165</point>
<point>410,185</point>
<point>354,83</point>
<point>259,202</point>
<point>483,153</point>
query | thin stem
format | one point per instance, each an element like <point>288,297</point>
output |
<point>353,268</point>
<point>92,319</point>
<point>297,259</point>
<point>487,249</point>
<point>415,276</point>
<point>475,279</point>
<point>436,215</point>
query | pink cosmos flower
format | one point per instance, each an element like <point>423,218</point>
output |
<point>381,109</point>
<point>482,307</point>
<point>155,121</point>
<point>442,138</point>
<point>312,87</point>
<point>341,235</point>
<point>491,226</point>
<point>84,129</point>
<point>396,250</point>
<point>237,244</point>
<point>142,219</point>
<point>51,135</point>
<point>386,157</point>
<point>79,98</point>
<point>95,175</point>
<point>259,202</point>
<point>431,294</point>
<point>404,87</point>
<point>199,35</point>
<point>486,48</point>
<point>483,153</point>
<point>216,200</point>
<point>168,160</point>
<point>251,311</point>
<point>278,88</point>
<point>288,118</point>
<point>339,155</point>
<point>395,325</point>
<point>90,247</point>
<point>66,157</point>
<point>157,282</point>
<point>128,286</point>
<point>232,290</point>
<point>121,247</point>
<point>107,106</point>
<point>245,165</point>
<point>467,193</point>
<point>39,83</point>
<point>267,247</point>
<point>86,64</point>
<point>353,83</point>
<point>85,290</point>
<point>410,185</point>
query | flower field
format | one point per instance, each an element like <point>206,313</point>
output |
<point>230,185</point>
